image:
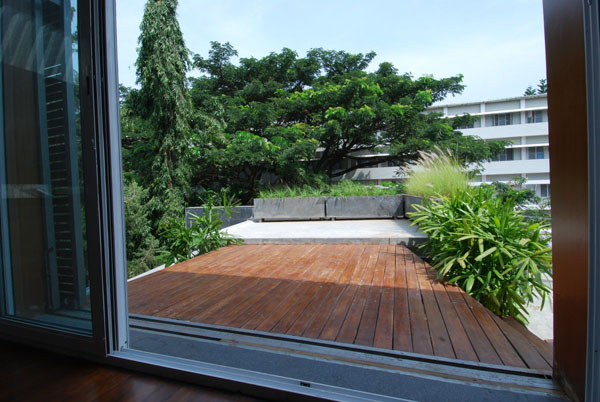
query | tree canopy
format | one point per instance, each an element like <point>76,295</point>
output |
<point>292,117</point>
<point>161,109</point>
<point>542,88</point>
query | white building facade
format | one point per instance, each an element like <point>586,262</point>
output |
<point>522,120</point>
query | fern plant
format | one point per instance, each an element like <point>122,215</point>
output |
<point>480,242</point>
<point>203,234</point>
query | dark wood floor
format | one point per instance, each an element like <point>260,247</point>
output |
<point>34,375</point>
<point>375,295</point>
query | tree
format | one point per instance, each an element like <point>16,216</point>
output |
<point>163,102</point>
<point>542,87</point>
<point>530,91</point>
<point>142,247</point>
<point>327,101</point>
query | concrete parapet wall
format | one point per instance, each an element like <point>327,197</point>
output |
<point>409,200</point>
<point>289,208</point>
<point>238,215</point>
<point>388,206</point>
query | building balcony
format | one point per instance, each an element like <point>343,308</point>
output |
<point>511,131</point>
<point>517,167</point>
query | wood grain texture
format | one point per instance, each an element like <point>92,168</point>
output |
<point>36,375</point>
<point>379,296</point>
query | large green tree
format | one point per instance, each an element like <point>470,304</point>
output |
<point>325,102</point>
<point>163,109</point>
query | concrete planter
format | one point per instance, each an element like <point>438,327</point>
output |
<point>386,206</point>
<point>289,208</point>
<point>409,201</point>
<point>238,215</point>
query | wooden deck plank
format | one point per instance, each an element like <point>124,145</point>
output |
<point>527,352</point>
<point>237,315</point>
<point>440,339</point>
<point>384,331</point>
<point>402,330</point>
<point>368,321</point>
<point>336,318</point>
<point>459,338</point>
<point>483,347</point>
<point>180,280</point>
<point>314,290</point>
<point>263,301</point>
<point>237,284</point>
<point>375,295</point>
<point>418,319</point>
<point>213,282</point>
<point>305,317</point>
<point>543,348</point>
<point>282,294</point>
<point>303,291</point>
<point>503,347</point>
<point>262,280</point>
<point>321,308</point>
<point>349,329</point>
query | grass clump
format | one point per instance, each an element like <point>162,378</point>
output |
<point>479,241</point>
<point>343,188</point>
<point>435,174</point>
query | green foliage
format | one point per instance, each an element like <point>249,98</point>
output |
<point>142,248</point>
<point>530,91</point>
<point>164,103</point>
<point>270,115</point>
<point>343,188</point>
<point>522,197</point>
<point>435,174</point>
<point>542,88</point>
<point>480,242</point>
<point>202,235</point>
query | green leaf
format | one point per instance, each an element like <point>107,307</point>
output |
<point>469,283</point>
<point>485,253</point>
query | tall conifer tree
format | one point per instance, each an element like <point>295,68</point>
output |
<point>164,102</point>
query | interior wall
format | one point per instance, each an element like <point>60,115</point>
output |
<point>565,63</point>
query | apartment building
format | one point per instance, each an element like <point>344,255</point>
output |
<point>521,120</point>
<point>524,122</point>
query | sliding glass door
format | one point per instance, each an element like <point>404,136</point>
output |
<point>43,216</point>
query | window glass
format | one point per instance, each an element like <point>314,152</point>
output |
<point>535,116</point>
<point>43,224</point>
<point>503,119</point>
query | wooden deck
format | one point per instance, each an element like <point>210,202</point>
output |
<point>382,296</point>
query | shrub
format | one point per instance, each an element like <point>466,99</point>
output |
<point>523,197</point>
<point>343,188</point>
<point>143,249</point>
<point>203,235</point>
<point>435,174</point>
<point>480,242</point>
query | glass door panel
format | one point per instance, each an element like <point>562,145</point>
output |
<point>45,275</point>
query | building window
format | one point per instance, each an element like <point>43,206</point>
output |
<point>535,116</point>
<point>545,190</point>
<point>536,153</point>
<point>507,155</point>
<point>503,119</point>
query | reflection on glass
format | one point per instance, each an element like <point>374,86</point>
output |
<point>42,216</point>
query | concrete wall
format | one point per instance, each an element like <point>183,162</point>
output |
<point>517,167</point>
<point>238,215</point>
<point>515,130</point>
<point>500,106</point>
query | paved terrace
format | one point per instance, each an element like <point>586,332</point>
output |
<point>375,295</point>
<point>375,231</point>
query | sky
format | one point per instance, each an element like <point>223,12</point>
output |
<point>498,45</point>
